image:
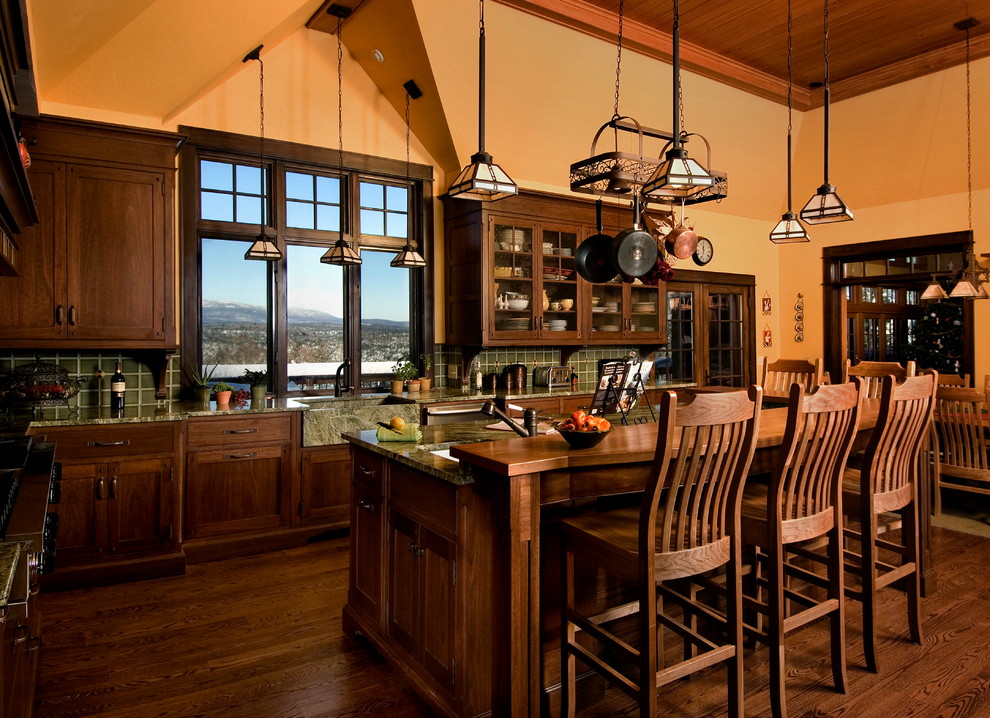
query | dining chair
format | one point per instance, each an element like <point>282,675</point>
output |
<point>776,377</point>
<point>886,482</point>
<point>873,371</point>
<point>686,526</point>
<point>800,506</point>
<point>950,379</point>
<point>961,432</point>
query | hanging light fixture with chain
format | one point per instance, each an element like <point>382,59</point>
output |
<point>408,257</point>
<point>789,229</point>
<point>264,247</point>
<point>341,254</point>
<point>826,206</point>
<point>973,276</point>
<point>678,176</point>
<point>482,179</point>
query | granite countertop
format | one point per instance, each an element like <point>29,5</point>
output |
<point>10,552</point>
<point>420,456</point>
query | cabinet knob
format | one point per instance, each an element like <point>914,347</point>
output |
<point>366,505</point>
<point>365,470</point>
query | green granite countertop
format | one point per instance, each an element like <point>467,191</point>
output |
<point>420,455</point>
<point>9,554</point>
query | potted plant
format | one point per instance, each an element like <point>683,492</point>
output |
<point>404,371</point>
<point>201,384</point>
<point>259,385</point>
<point>426,380</point>
<point>223,390</point>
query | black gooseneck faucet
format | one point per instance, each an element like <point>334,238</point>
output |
<point>339,390</point>
<point>528,427</point>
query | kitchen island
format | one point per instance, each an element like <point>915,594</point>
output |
<point>447,580</point>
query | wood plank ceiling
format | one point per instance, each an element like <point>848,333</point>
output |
<point>872,43</point>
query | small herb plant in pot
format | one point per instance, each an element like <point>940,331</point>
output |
<point>223,390</point>
<point>404,371</point>
<point>259,384</point>
<point>426,381</point>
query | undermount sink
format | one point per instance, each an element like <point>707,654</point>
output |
<point>329,417</point>
<point>352,402</point>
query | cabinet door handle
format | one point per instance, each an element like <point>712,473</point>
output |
<point>119,442</point>
<point>113,487</point>
<point>241,431</point>
<point>99,490</point>
<point>366,505</point>
<point>365,470</point>
<point>412,549</point>
<point>35,643</point>
<point>21,634</point>
<point>72,315</point>
<point>419,551</point>
<point>249,455</point>
<point>58,315</point>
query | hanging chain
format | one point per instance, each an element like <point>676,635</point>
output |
<point>340,99</point>
<point>680,87</point>
<point>407,137</point>
<point>969,141</point>
<point>618,61</point>
<point>826,44</point>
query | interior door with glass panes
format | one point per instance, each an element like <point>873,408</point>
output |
<point>709,336</point>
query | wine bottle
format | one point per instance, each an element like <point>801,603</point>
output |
<point>117,385</point>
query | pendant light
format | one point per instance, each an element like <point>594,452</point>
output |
<point>825,205</point>
<point>678,176</point>
<point>970,284</point>
<point>264,247</point>
<point>409,258</point>
<point>482,179</point>
<point>934,291</point>
<point>789,229</point>
<point>341,253</point>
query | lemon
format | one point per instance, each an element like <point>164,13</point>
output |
<point>397,423</point>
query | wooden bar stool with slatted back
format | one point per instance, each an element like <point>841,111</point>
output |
<point>788,517</point>
<point>962,432</point>
<point>887,481</point>
<point>685,528</point>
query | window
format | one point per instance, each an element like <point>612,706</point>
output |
<point>298,317</point>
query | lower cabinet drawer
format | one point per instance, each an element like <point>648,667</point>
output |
<point>429,501</point>
<point>241,430</point>
<point>108,441</point>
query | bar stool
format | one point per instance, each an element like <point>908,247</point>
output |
<point>963,454</point>
<point>686,526</point>
<point>886,482</point>
<point>789,517</point>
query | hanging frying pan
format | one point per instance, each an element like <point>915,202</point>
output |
<point>634,251</point>
<point>593,259</point>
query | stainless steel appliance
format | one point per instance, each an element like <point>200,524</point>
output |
<point>458,413</point>
<point>552,376</point>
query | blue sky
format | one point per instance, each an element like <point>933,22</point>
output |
<point>227,276</point>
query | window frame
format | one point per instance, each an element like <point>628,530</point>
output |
<point>280,157</point>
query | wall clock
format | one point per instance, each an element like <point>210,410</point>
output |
<point>704,252</point>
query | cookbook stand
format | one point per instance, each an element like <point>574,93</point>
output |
<point>619,388</point>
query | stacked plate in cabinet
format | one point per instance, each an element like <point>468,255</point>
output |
<point>606,328</point>
<point>511,239</point>
<point>557,325</point>
<point>513,324</point>
<point>644,307</point>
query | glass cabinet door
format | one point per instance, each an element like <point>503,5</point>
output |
<point>513,290</point>
<point>559,299</point>
<point>645,319</point>
<point>607,307</point>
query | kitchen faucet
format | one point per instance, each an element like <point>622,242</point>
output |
<point>528,427</point>
<point>339,390</point>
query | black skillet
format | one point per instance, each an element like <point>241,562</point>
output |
<point>633,251</point>
<point>593,258</point>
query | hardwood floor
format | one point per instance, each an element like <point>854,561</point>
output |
<point>260,637</point>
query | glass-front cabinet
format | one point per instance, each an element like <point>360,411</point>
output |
<point>627,311</point>
<point>535,285</point>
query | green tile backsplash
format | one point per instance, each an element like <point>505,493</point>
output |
<point>95,392</point>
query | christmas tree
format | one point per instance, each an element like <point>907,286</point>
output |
<point>937,342</point>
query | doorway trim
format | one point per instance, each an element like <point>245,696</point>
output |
<point>833,285</point>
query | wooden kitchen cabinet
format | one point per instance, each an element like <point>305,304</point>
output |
<point>98,269</point>
<point>632,312</point>
<point>522,249</point>
<point>325,488</point>
<point>420,548</point>
<point>238,474</point>
<point>117,515</point>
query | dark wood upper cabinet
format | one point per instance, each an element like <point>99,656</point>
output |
<point>98,270</point>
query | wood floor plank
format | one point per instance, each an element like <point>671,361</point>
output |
<point>261,636</point>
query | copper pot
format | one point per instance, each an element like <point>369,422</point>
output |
<point>681,241</point>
